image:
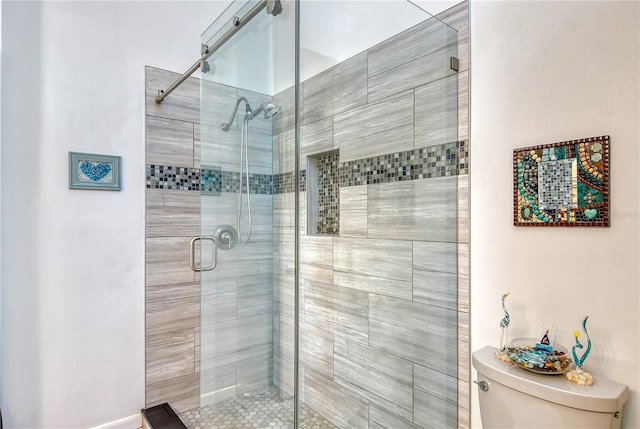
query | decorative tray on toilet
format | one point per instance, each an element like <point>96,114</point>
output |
<point>528,355</point>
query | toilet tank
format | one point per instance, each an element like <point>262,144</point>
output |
<point>517,398</point>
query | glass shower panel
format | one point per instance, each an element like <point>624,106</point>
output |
<point>378,240</point>
<point>238,333</point>
<point>374,260</point>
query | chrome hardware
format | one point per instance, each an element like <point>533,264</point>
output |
<point>454,64</point>
<point>226,237</point>
<point>616,414</point>
<point>482,385</point>
<point>192,254</point>
<point>238,23</point>
<point>274,7</point>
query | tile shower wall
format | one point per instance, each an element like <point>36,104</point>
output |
<point>327,352</point>
<point>384,303</point>
<point>236,299</point>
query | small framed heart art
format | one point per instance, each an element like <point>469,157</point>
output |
<point>91,171</point>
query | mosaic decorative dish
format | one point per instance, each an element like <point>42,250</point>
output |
<point>525,354</point>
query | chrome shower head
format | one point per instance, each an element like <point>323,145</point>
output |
<point>269,109</point>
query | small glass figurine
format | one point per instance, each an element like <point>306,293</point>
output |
<point>578,375</point>
<point>503,353</point>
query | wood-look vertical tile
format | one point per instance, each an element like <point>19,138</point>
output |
<point>182,393</point>
<point>169,355</point>
<point>421,333</point>
<point>436,112</point>
<point>431,214</point>
<point>353,211</point>
<point>316,258</point>
<point>343,311</point>
<point>315,138</point>
<point>172,307</point>
<point>182,104</point>
<point>345,408</point>
<point>218,101</point>
<point>381,378</point>
<point>234,340</point>
<point>463,208</point>
<point>285,119</point>
<point>171,213</point>
<point>458,18</point>
<point>218,384</point>
<point>377,266</point>
<point>418,60</point>
<point>316,350</point>
<point>436,397</point>
<point>463,105</point>
<point>336,90</point>
<point>375,129</point>
<point>169,142</point>
<point>417,42</point>
<point>254,373</point>
<point>167,261</point>
<point>254,295</point>
<point>380,418</point>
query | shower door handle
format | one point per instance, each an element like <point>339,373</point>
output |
<point>192,254</point>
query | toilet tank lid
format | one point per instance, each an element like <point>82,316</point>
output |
<point>603,396</point>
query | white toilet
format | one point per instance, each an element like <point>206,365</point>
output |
<point>511,397</point>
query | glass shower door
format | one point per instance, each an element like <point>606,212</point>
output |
<point>239,329</point>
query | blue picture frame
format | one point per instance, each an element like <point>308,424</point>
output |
<point>93,171</point>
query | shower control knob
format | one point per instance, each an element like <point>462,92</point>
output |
<point>226,237</point>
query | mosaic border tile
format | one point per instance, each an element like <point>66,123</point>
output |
<point>562,184</point>
<point>442,160</point>
<point>258,183</point>
<point>170,177</point>
<point>449,159</point>
<point>209,180</point>
<point>326,167</point>
<point>283,182</point>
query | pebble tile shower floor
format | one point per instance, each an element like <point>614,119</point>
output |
<point>265,409</point>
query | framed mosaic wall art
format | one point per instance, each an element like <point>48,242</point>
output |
<point>91,171</point>
<point>562,184</point>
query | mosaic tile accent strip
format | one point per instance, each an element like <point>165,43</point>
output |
<point>434,161</point>
<point>169,177</point>
<point>328,189</point>
<point>283,183</point>
<point>209,180</point>
<point>562,184</point>
<point>268,408</point>
<point>258,183</point>
<point>448,159</point>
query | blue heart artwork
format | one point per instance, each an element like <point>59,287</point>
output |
<point>96,171</point>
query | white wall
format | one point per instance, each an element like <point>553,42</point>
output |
<point>544,72</point>
<point>73,261</point>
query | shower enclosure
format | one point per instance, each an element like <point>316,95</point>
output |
<point>329,161</point>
